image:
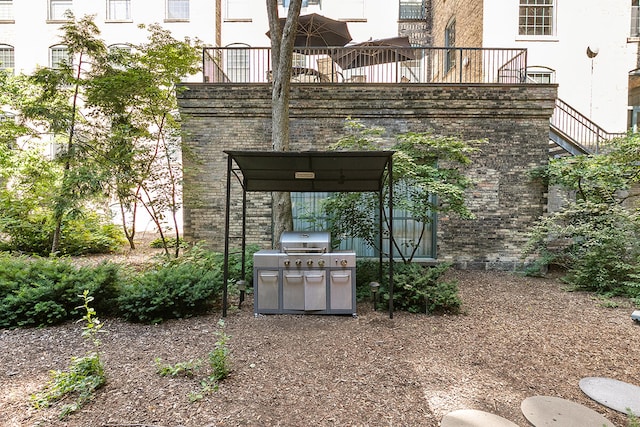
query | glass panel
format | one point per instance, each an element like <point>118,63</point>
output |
<point>59,56</point>
<point>352,9</point>
<point>57,9</point>
<point>6,10</point>
<point>536,17</point>
<point>412,10</point>
<point>306,209</point>
<point>178,9</point>
<point>237,65</point>
<point>635,21</point>
<point>450,41</point>
<point>118,9</point>
<point>239,9</point>
<point>6,58</point>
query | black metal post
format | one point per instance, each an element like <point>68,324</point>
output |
<point>225,275</point>
<point>390,168</point>
<point>244,240</point>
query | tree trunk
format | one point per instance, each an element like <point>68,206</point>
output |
<point>282,39</point>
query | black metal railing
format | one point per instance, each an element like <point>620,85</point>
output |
<point>384,64</point>
<point>580,129</point>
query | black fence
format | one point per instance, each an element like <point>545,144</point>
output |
<point>370,64</point>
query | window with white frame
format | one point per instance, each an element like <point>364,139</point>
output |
<point>58,9</point>
<point>238,9</point>
<point>540,75</point>
<point>6,57</point>
<point>536,18</point>
<point>6,10</point>
<point>118,10</point>
<point>412,10</point>
<point>59,56</point>
<point>635,18</point>
<point>178,10</point>
<point>352,9</point>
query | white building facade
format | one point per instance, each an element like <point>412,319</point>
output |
<point>245,22</point>
<point>588,47</point>
<point>30,30</point>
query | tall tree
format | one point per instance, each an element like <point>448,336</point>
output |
<point>136,91</point>
<point>58,105</point>
<point>282,40</point>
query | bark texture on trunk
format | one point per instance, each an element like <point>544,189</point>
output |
<point>282,39</point>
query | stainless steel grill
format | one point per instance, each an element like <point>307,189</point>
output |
<point>304,276</point>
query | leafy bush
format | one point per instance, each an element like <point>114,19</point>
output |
<point>30,232</point>
<point>417,289</point>
<point>180,287</point>
<point>598,244</point>
<point>40,292</point>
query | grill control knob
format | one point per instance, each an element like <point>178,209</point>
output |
<point>343,262</point>
<point>298,262</point>
<point>309,262</point>
<point>287,263</point>
<point>321,263</point>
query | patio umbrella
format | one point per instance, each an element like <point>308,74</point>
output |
<point>373,52</point>
<point>315,30</point>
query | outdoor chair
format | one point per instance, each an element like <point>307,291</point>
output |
<point>328,71</point>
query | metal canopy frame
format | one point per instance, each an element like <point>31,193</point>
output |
<point>308,171</point>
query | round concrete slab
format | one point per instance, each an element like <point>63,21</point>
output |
<point>474,418</point>
<point>542,411</point>
<point>613,394</point>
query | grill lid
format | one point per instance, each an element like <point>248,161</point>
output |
<point>305,241</point>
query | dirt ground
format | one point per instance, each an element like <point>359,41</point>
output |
<point>517,337</point>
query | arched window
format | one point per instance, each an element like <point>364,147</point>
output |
<point>538,74</point>
<point>237,66</point>
<point>58,56</point>
<point>6,57</point>
<point>450,42</point>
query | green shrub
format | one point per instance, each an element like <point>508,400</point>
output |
<point>177,288</point>
<point>43,291</point>
<point>597,243</point>
<point>417,289</point>
<point>85,233</point>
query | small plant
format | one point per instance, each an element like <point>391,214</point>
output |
<point>218,362</point>
<point>84,376</point>
<point>632,420</point>
<point>185,369</point>
<point>219,356</point>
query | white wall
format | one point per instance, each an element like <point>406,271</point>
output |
<point>376,19</point>
<point>602,95</point>
<point>31,35</point>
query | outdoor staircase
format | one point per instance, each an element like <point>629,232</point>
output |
<point>571,133</point>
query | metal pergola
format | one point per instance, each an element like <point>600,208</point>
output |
<point>309,171</point>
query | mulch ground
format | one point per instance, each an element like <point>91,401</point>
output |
<point>517,337</point>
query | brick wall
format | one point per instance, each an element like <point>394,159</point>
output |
<point>514,119</point>
<point>468,17</point>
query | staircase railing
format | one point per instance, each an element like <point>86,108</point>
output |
<point>579,129</point>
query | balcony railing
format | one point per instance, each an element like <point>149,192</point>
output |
<point>370,65</point>
<point>578,129</point>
